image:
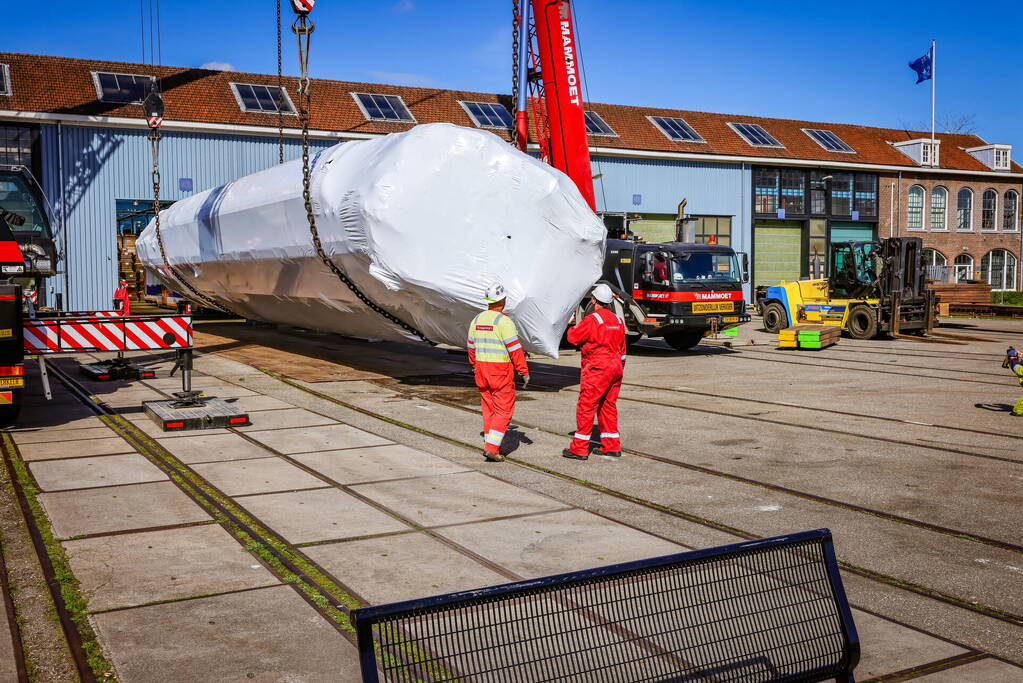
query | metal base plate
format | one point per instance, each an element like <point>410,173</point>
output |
<point>111,371</point>
<point>214,413</point>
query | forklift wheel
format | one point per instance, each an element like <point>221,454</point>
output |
<point>862,323</point>
<point>775,317</point>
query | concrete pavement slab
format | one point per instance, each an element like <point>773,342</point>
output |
<point>320,515</point>
<point>150,566</point>
<point>309,439</point>
<point>119,508</point>
<point>402,567</point>
<point>264,475</point>
<point>223,390</point>
<point>65,422</point>
<point>565,541</point>
<point>287,417</point>
<point>455,498</point>
<point>51,435</point>
<point>258,403</point>
<point>377,463</point>
<point>103,470</point>
<point>269,635</point>
<point>195,447</point>
<point>75,448</point>
<point>985,671</point>
<point>887,647</point>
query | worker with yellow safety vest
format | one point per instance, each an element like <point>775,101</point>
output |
<point>1014,362</point>
<point>496,355</point>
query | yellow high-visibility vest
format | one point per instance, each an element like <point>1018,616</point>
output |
<point>493,336</point>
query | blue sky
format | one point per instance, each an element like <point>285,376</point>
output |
<point>843,62</point>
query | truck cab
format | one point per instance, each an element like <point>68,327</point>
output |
<point>680,292</point>
<point>22,208</point>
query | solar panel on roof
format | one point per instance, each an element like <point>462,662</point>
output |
<point>828,140</point>
<point>755,135</point>
<point>596,125</point>
<point>383,107</point>
<point>262,98</point>
<point>122,88</point>
<point>488,114</point>
<point>675,128</point>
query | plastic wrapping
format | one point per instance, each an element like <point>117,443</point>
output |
<point>422,221</point>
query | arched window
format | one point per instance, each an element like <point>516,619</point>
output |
<point>939,208</point>
<point>964,268</point>
<point>915,210</point>
<point>936,265</point>
<point>1010,206</point>
<point>964,209</point>
<point>998,269</point>
<point>988,206</point>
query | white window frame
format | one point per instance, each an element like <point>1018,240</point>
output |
<point>465,106</point>
<point>968,267</point>
<point>612,134</point>
<point>927,150</point>
<point>923,208</point>
<point>1015,212</point>
<point>1008,159</point>
<point>930,206</point>
<point>995,215</point>
<point>362,108</point>
<point>735,129</point>
<point>969,222</point>
<point>825,130</point>
<point>5,73</point>
<point>99,88</point>
<point>699,140</point>
<point>1005,270</point>
<point>241,105</point>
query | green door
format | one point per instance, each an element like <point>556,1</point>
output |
<point>777,252</point>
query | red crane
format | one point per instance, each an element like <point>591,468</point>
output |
<point>548,78</point>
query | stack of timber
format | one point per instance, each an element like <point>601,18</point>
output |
<point>962,295</point>
<point>809,336</point>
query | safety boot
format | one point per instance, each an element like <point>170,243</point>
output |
<point>569,454</point>
<point>493,457</point>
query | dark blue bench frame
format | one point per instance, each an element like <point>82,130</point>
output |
<point>366,618</point>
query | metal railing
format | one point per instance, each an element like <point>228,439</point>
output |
<point>767,610</point>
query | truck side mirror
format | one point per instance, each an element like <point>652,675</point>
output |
<point>745,266</point>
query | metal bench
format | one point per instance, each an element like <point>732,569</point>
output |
<point>767,610</point>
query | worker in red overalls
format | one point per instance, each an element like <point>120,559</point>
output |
<point>122,299</point>
<point>495,354</point>
<point>602,336</point>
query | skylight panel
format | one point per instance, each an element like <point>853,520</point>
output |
<point>755,135</point>
<point>676,129</point>
<point>488,114</point>
<point>5,80</point>
<point>121,88</point>
<point>596,125</point>
<point>383,107</point>
<point>266,99</point>
<point>828,140</point>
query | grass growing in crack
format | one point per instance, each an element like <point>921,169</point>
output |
<point>71,595</point>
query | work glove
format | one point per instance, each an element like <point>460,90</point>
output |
<point>525,381</point>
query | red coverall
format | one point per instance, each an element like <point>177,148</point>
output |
<point>496,355</point>
<point>602,336</point>
<point>121,294</point>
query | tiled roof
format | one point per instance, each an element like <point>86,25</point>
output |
<point>62,85</point>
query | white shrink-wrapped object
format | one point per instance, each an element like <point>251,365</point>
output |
<point>421,221</point>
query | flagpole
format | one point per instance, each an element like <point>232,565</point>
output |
<point>934,78</point>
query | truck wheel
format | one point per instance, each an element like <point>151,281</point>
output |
<point>683,341</point>
<point>631,340</point>
<point>775,317</point>
<point>8,414</point>
<point>862,324</point>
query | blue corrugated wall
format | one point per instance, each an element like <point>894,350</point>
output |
<point>86,169</point>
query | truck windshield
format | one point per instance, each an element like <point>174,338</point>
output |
<point>16,197</point>
<point>701,267</point>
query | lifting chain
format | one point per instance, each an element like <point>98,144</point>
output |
<point>280,91</point>
<point>154,117</point>
<point>515,52</point>
<point>303,28</point>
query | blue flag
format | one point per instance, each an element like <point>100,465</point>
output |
<point>923,66</point>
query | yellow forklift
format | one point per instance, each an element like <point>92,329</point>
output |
<point>874,288</point>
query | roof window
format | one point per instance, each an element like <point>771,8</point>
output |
<point>265,99</point>
<point>828,140</point>
<point>755,135</point>
<point>121,88</point>
<point>383,107</point>
<point>596,125</point>
<point>5,79</point>
<point>676,129</point>
<point>488,114</point>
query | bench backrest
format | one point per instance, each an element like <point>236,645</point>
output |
<point>766,610</point>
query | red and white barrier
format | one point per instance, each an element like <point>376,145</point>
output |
<point>107,331</point>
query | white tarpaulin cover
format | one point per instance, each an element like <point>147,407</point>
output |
<point>422,221</point>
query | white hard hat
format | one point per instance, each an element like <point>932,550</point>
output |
<point>494,293</point>
<point>602,293</point>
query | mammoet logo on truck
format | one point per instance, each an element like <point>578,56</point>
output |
<point>568,45</point>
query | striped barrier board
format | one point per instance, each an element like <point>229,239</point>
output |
<point>104,332</point>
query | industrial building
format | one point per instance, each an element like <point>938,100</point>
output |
<point>781,190</point>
